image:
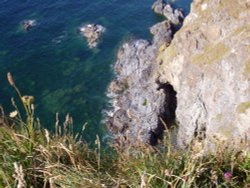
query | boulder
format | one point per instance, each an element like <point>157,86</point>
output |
<point>92,32</point>
<point>174,16</point>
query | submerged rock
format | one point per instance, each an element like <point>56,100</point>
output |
<point>92,32</point>
<point>28,24</point>
<point>174,16</point>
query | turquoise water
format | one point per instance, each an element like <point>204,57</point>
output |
<point>52,61</point>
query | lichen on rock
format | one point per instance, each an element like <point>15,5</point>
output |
<point>207,65</point>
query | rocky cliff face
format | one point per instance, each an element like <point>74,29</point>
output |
<point>137,99</point>
<point>201,78</point>
<point>208,65</point>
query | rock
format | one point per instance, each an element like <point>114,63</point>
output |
<point>208,64</point>
<point>158,6</point>
<point>174,16</point>
<point>162,33</point>
<point>92,32</point>
<point>28,24</point>
<point>134,94</point>
<point>202,78</point>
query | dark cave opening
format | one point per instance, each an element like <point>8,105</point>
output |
<point>166,117</point>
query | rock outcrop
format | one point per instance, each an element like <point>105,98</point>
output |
<point>204,72</point>
<point>175,16</point>
<point>137,99</point>
<point>208,64</point>
<point>92,32</point>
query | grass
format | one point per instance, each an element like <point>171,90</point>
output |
<point>211,54</point>
<point>31,156</point>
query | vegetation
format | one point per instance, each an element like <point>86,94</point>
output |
<point>31,156</point>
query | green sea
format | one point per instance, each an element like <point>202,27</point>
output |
<point>52,61</point>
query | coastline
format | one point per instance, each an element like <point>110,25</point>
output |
<point>196,69</point>
<point>139,101</point>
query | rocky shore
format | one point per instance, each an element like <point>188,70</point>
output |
<point>138,100</point>
<point>199,79</point>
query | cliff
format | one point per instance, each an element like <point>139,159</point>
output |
<point>137,99</point>
<point>199,82</point>
<point>208,64</point>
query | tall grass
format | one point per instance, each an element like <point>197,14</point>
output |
<point>31,156</point>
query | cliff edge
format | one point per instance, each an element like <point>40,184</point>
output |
<point>208,65</point>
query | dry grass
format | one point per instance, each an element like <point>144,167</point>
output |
<point>32,156</point>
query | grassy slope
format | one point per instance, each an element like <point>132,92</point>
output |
<point>31,156</point>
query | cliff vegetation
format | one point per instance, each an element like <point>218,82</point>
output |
<point>31,156</point>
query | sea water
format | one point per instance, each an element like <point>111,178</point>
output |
<point>52,61</point>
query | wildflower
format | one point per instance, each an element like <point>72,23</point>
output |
<point>227,176</point>
<point>13,114</point>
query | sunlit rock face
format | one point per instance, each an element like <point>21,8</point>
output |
<point>208,64</point>
<point>201,78</point>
